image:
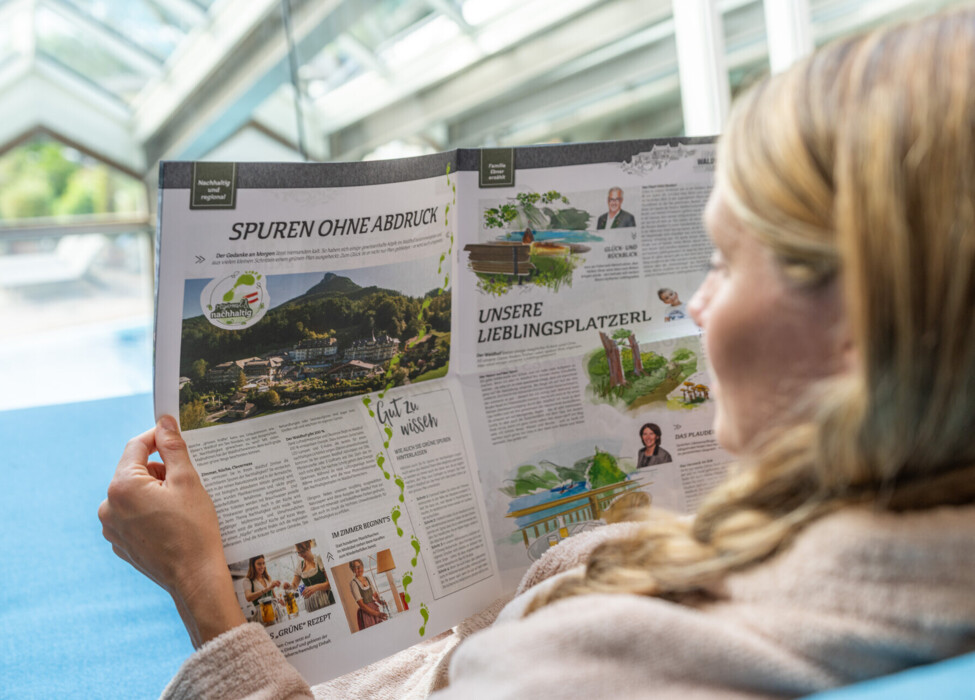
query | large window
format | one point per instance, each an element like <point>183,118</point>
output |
<point>75,276</point>
<point>94,93</point>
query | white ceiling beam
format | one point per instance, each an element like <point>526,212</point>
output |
<point>449,10</point>
<point>100,99</point>
<point>186,10</point>
<point>788,26</point>
<point>705,88</point>
<point>48,97</point>
<point>656,102</point>
<point>502,92</point>
<point>195,60</point>
<point>255,142</point>
<point>565,91</point>
<point>494,78</point>
<point>357,50</point>
<point>12,71</point>
<point>446,60</point>
<point>18,18</point>
<point>276,115</point>
<point>197,120</point>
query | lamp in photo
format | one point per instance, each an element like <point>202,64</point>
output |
<point>385,565</point>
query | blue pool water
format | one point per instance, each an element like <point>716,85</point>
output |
<point>534,499</point>
<point>564,236</point>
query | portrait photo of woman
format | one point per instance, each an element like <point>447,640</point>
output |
<point>651,453</point>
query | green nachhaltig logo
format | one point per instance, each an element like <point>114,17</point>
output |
<point>237,301</point>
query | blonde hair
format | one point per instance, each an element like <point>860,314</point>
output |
<point>855,168</point>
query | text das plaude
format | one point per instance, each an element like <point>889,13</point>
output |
<point>533,329</point>
<point>263,230</point>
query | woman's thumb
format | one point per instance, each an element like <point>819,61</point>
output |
<point>170,446</point>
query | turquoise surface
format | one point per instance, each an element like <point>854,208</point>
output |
<point>77,622</point>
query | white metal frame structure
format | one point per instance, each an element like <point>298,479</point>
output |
<point>136,81</point>
<point>792,37</point>
<point>705,90</point>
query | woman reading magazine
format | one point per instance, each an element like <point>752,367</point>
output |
<point>838,317</point>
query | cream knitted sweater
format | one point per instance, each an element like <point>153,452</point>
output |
<point>857,595</point>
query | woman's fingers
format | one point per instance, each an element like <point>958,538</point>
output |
<point>157,470</point>
<point>172,450</point>
<point>135,456</point>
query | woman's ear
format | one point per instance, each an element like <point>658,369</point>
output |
<point>844,357</point>
<point>847,355</point>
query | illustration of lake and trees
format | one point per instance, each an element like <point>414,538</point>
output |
<point>547,497</point>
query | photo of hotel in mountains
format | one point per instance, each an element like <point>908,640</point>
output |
<point>326,337</point>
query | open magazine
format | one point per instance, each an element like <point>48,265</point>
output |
<point>403,381</point>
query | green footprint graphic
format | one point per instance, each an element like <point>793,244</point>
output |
<point>380,461</point>
<point>406,581</point>
<point>396,514</point>
<point>416,546</point>
<point>365,402</point>
<point>402,485</point>
<point>425,614</point>
<point>243,279</point>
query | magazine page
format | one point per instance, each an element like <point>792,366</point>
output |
<point>303,337</point>
<point>582,370</point>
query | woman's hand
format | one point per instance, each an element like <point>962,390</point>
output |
<point>160,519</point>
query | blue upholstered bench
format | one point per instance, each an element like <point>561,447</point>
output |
<point>80,623</point>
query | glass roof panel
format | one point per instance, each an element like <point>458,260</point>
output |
<point>90,57</point>
<point>146,23</point>
<point>331,67</point>
<point>419,40</point>
<point>387,20</point>
<point>7,45</point>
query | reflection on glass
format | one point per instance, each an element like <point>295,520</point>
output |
<point>153,26</point>
<point>75,273</point>
<point>105,64</point>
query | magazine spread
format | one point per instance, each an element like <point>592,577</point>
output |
<point>403,381</point>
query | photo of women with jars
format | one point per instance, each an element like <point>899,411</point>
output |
<point>311,579</point>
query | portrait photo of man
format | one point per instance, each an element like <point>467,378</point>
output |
<point>616,217</point>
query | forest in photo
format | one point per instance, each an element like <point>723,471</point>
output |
<point>336,340</point>
<point>622,372</point>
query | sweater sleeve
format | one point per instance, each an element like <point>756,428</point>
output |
<point>242,663</point>
<point>572,552</point>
